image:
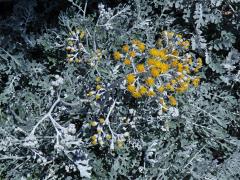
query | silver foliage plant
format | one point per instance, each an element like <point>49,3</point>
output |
<point>49,118</point>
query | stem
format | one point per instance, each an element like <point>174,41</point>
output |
<point>108,122</point>
<point>48,115</point>
<point>194,157</point>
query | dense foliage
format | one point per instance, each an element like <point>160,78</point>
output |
<point>142,89</point>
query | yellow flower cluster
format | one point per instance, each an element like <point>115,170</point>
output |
<point>130,51</point>
<point>72,45</point>
<point>162,70</point>
<point>76,52</point>
<point>98,136</point>
<point>97,90</point>
<point>101,137</point>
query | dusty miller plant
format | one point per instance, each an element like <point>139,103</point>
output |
<point>72,115</point>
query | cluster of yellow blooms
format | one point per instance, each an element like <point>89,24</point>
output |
<point>160,71</point>
<point>97,90</point>
<point>99,136</point>
<point>74,45</point>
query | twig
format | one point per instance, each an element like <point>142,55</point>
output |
<point>194,157</point>
<point>45,116</point>
<point>108,122</point>
<point>74,103</point>
<point>11,157</point>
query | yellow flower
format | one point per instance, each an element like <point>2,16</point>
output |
<point>127,62</point>
<point>174,63</point>
<point>196,82</point>
<point>94,137</point>
<point>150,81</point>
<point>169,87</point>
<point>93,123</point>
<point>172,100</point>
<point>90,93</point>
<point>135,41</point>
<point>136,94</point>
<point>70,43</point>
<point>186,44</point>
<point>94,142</point>
<point>163,54</point>
<point>101,120</point>
<point>141,46</point>
<point>142,90</point>
<point>186,68</point>
<point>161,100</point>
<point>180,67</point>
<point>183,87</point>
<point>125,48</point>
<point>98,96</point>
<point>132,54</point>
<point>199,63</point>
<point>69,55</point>
<point>161,89</point>
<point>77,60</point>
<point>190,61</point>
<point>170,34</point>
<point>179,36</point>
<point>180,77</point>
<point>117,55</point>
<point>155,72</point>
<point>98,79</point>
<point>98,87</point>
<point>154,52</point>
<point>163,67</point>
<point>140,68</point>
<point>175,52</point>
<point>108,137</point>
<point>164,108</point>
<point>130,78</point>
<point>196,70</point>
<point>151,93</point>
<point>157,63</point>
<point>173,81</point>
<point>131,88</point>
<point>82,34</point>
<point>151,61</point>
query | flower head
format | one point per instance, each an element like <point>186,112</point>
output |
<point>125,48</point>
<point>142,90</point>
<point>150,81</point>
<point>127,62</point>
<point>155,72</point>
<point>136,94</point>
<point>132,54</point>
<point>140,68</point>
<point>172,100</point>
<point>161,89</point>
<point>154,52</point>
<point>196,81</point>
<point>117,55</point>
<point>131,88</point>
<point>130,78</point>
